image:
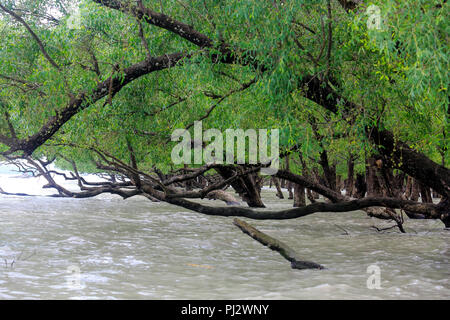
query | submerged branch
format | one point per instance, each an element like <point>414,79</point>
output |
<point>276,245</point>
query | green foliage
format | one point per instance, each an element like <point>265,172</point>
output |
<point>398,75</point>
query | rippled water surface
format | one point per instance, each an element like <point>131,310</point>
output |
<point>136,249</point>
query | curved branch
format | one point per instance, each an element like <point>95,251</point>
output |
<point>189,176</point>
<point>111,85</point>
<point>160,20</point>
<point>227,54</point>
<point>430,210</point>
<point>203,192</point>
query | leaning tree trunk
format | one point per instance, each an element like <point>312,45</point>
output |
<point>247,186</point>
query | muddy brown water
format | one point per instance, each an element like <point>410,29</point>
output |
<point>109,248</point>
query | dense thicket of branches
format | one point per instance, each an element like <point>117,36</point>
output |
<point>100,86</point>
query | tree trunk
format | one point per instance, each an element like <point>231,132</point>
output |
<point>360,188</point>
<point>339,183</point>
<point>312,196</point>
<point>425,193</point>
<point>399,180</point>
<point>373,185</point>
<point>247,186</point>
<point>276,182</point>
<point>289,188</point>
<point>188,183</point>
<point>299,196</point>
<point>378,185</point>
<point>309,194</point>
<point>289,184</point>
<point>401,156</point>
<point>350,179</point>
<point>396,153</point>
<point>328,172</point>
<point>414,190</point>
<point>315,178</point>
<point>408,189</point>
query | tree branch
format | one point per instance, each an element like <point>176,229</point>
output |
<point>35,37</point>
<point>276,245</point>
